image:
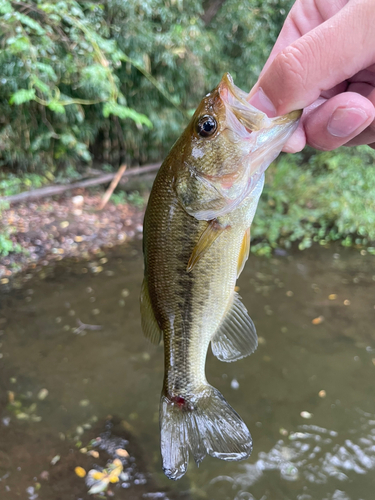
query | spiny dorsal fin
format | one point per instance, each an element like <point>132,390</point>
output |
<point>150,326</point>
<point>236,336</point>
<point>209,235</point>
<point>244,252</point>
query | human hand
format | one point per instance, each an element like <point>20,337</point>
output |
<point>323,61</point>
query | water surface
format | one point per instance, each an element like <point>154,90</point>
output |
<point>315,316</point>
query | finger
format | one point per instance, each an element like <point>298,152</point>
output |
<point>366,137</point>
<point>361,88</point>
<point>337,89</point>
<point>338,120</point>
<point>366,76</point>
<point>303,17</point>
<point>303,70</point>
<point>297,141</point>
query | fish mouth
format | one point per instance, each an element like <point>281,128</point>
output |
<point>250,117</point>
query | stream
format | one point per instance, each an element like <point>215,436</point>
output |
<point>307,394</point>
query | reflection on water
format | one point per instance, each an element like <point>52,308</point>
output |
<point>313,455</point>
<point>307,394</point>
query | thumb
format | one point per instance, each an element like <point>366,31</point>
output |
<point>322,58</point>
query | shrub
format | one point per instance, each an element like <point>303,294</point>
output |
<point>318,198</point>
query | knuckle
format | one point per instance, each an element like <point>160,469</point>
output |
<point>290,65</point>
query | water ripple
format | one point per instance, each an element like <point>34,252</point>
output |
<point>314,455</point>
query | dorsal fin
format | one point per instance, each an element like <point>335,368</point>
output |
<point>236,336</point>
<point>209,235</point>
<point>244,252</point>
<point>150,326</point>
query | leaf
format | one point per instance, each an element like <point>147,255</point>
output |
<point>18,44</point>
<point>68,140</point>
<point>5,7</point>
<point>31,23</point>
<point>22,96</point>
<point>123,112</point>
<point>43,87</point>
<point>95,76</point>
<point>56,107</point>
<point>76,11</point>
<point>98,487</point>
<point>47,70</point>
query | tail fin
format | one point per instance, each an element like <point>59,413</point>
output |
<point>205,425</point>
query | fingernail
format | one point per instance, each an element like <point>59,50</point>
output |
<point>345,121</point>
<point>263,103</point>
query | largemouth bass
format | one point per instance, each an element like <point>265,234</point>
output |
<point>196,242</point>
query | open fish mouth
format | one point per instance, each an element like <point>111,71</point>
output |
<point>250,117</point>
<point>235,100</point>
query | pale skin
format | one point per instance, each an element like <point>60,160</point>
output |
<point>324,62</point>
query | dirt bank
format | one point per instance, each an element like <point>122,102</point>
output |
<point>70,226</point>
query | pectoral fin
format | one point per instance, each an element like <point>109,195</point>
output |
<point>150,326</point>
<point>209,235</point>
<point>244,252</point>
<point>236,336</point>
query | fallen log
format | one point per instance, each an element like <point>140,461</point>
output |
<point>35,194</point>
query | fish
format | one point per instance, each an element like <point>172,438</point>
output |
<point>196,241</point>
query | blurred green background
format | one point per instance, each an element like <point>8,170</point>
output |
<point>88,83</point>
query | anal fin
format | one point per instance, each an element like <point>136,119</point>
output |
<point>150,326</point>
<point>209,235</point>
<point>244,252</point>
<point>236,336</point>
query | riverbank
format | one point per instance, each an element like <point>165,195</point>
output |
<point>69,226</point>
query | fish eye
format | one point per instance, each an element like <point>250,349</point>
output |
<point>206,126</point>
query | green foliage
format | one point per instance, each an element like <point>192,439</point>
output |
<point>331,196</point>
<point>13,184</point>
<point>103,73</point>
<point>133,198</point>
<point>22,96</point>
<point>123,112</point>
<point>58,79</point>
<point>116,81</point>
<point>7,245</point>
